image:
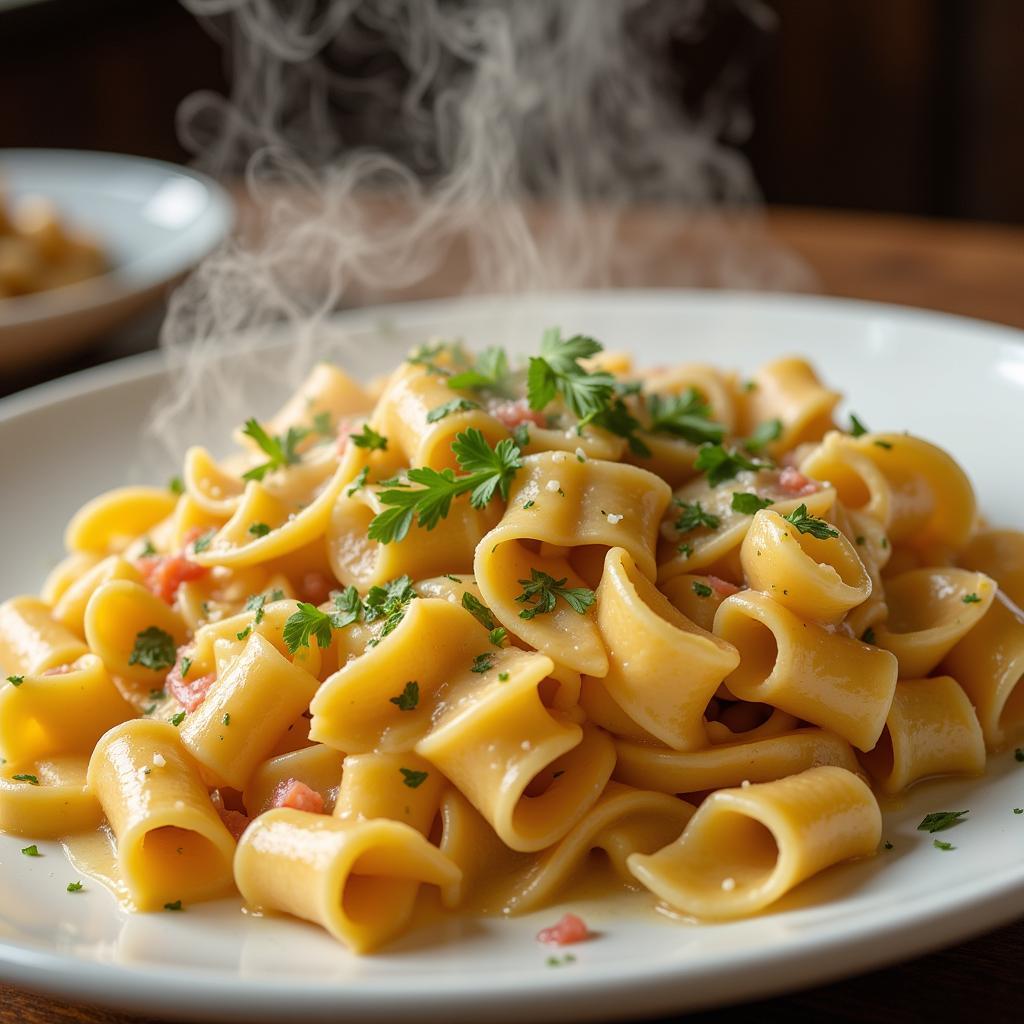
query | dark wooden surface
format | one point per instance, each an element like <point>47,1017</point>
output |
<point>961,268</point>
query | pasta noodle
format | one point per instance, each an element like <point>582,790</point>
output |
<point>513,634</point>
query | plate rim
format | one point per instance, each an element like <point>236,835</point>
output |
<point>979,904</point>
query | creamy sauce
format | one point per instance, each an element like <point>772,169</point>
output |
<point>94,855</point>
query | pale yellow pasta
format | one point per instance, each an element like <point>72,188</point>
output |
<point>357,879</point>
<point>929,611</point>
<point>662,668</point>
<point>819,579</point>
<point>171,843</point>
<point>593,592</point>
<point>745,848</point>
<point>822,677</point>
<point>931,730</point>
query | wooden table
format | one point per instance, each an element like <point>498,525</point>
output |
<point>970,269</point>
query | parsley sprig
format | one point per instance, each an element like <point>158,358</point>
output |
<point>154,649</point>
<point>939,821</point>
<point>542,591</point>
<point>369,439</point>
<point>309,621</point>
<point>686,415</point>
<point>557,371</point>
<point>806,523</point>
<point>693,516</point>
<point>486,470</point>
<point>439,412</point>
<point>490,372</point>
<point>388,602</point>
<point>721,463</point>
<point>280,449</point>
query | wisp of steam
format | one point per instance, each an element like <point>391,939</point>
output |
<point>390,148</point>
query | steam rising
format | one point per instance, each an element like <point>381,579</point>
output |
<point>397,147</point>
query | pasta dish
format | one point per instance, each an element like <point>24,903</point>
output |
<point>478,634</point>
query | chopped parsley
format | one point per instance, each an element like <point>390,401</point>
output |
<point>243,633</point>
<point>498,635</point>
<point>413,779</point>
<point>723,464</point>
<point>15,680</point>
<point>75,887</point>
<point>369,439</point>
<point>764,434</point>
<point>557,371</point>
<point>617,419</point>
<point>439,412</point>
<point>502,677</point>
<point>748,503</point>
<point>147,549</point>
<point>868,636</point>
<point>186,664</point>
<point>884,444</point>
<point>483,662</point>
<point>686,415</point>
<point>226,720</point>
<point>971,599</point>
<point>176,486</point>
<point>280,450</point>
<point>177,719</point>
<point>521,436</point>
<point>806,523</point>
<point>1018,810</point>
<point>307,621</point>
<point>529,504</point>
<point>259,529</point>
<point>544,590</point>
<point>322,424</point>
<point>408,698</point>
<point>486,470</point>
<point>887,845</point>
<point>32,780</point>
<point>684,549</point>
<point>256,602</point>
<point>939,821</point>
<point>478,610</point>
<point>388,602</point>
<point>360,479</point>
<point>176,905</point>
<point>857,428</point>
<point>202,542</point>
<point>154,649</point>
<point>701,589</point>
<point>940,845</point>
<point>555,961</point>
<point>693,516</point>
<point>31,851</point>
<point>490,372</point>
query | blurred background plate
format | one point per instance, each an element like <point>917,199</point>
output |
<point>153,220</point>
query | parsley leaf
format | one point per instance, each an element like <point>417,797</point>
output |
<point>413,779</point>
<point>177,719</point>
<point>686,415</point>
<point>307,621</point>
<point>259,529</point>
<point>489,373</point>
<point>154,649</point>
<point>483,662</point>
<point>75,887</point>
<point>369,438</point>
<point>186,664</point>
<point>748,503</point>
<point>408,698</point>
<point>255,604</point>
<point>455,405</point>
<point>388,603</point>
<point>32,780</point>
<point>723,464</point>
<point>147,549</point>
<point>349,607</point>
<point>764,434</point>
<point>693,515</point>
<point>15,680</point>
<point>359,480</point>
<point>940,845</point>
<point>939,821</point>
<point>544,590</point>
<point>806,523</point>
<point>176,485</point>
<point>31,851</point>
<point>617,419</point>
<point>478,610</point>
<point>971,598</point>
<point>486,471</point>
<point>322,424</point>
<point>701,589</point>
<point>557,370</point>
<point>857,428</point>
<point>280,450</point>
<point>202,542</point>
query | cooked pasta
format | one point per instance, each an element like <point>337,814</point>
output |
<point>496,631</point>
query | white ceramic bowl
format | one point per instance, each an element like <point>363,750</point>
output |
<point>153,219</point>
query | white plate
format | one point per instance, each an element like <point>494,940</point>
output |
<point>956,381</point>
<point>153,219</point>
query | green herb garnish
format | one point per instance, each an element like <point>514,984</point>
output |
<point>439,412</point>
<point>544,590</point>
<point>413,779</point>
<point>857,428</point>
<point>280,450</point>
<point>723,464</point>
<point>971,599</point>
<point>694,516</point>
<point>939,821</point>
<point>701,589</point>
<point>408,698</point>
<point>369,439</point>
<point>764,434</point>
<point>154,649</point>
<point>557,371</point>
<point>686,415</point>
<point>806,523</point>
<point>259,529</point>
<point>748,503</point>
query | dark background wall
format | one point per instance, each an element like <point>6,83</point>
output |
<point>897,105</point>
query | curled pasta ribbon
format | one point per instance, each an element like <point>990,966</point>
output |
<point>602,710</point>
<point>817,579</point>
<point>361,562</point>
<point>751,759</point>
<point>822,677</point>
<point>317,766</point>
<point>662,668</point>
<point>70,568</point>
<point>989,664</point>
<point>529,770</point>
<point>401,416</point>
<point>117,613</point>
<point>916,491</point>
<point>379,785</point>
<point>325,390</point>
<point>69,611</point>
<point>246,712</point>
<point>999,554</point>
<point>32,641</point>
<point>874,551</point>
<point>292,524</point>
<point>109,523</point>
<point>358,880</point>
<point>747,847</point>
<point>594,442</point>
<point>64,713</point>
<point>718,549</point>
<point>708,381</point>
<point>931,729</point>
<point>59,803</point>
<point>214,490</point>
<point>171,843</point>
<point>929,611</point>
<point>353,710</point>
<point>789,390</point>
<point>744,721</point>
